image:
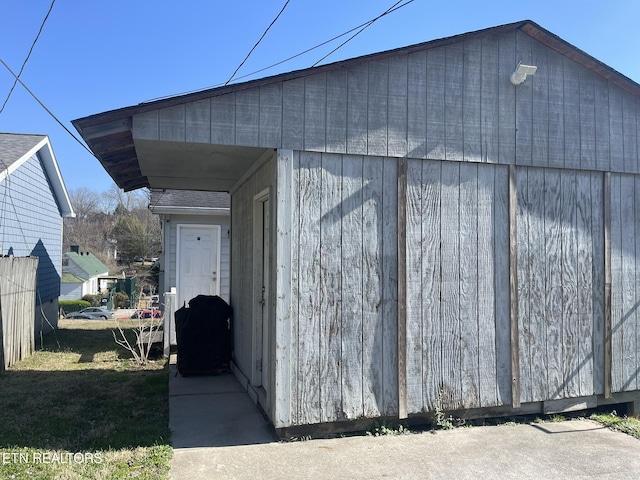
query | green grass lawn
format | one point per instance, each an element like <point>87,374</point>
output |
<point>80,408</point>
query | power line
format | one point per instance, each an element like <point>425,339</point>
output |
<point>393,8</point>
<point>258,42</point>
<point>46,109</point>
<point>365,24</point>
<point>15,82</point>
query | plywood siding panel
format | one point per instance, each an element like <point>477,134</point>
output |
<point>569,259</point>
<point>487,276</point>
<point>627,321</point>
<point>597,293</point>
<point>357,101</point>
<point>524,104</point>
<point>556,110</point>
<point>417,104</point>
<point>389,306</point>
<point>436,80</point>
<point>337,112</point>
<point>248,118</point>
<point>330,287</point>
<point>630,133</point>
<point>553,282</point>
<point>471,100</point>
<point>145,126</point>
<point>453,106</point>
<point>296,234</point>
<point>537,334</point>
<point>540,114</point>
<point>271,115</point>
<point>315,112</point>
<point>601,119</point>
<point>584,280</point>
<point>617,282</point>
<point>223,119</point>
<point>293,114</point>
<point>587,120</point>
<point>415,290</point>
<point>489,98</point>
<point>171,124</point>
<point>198,118</point>
<point>572,132</point>
<point>377,108</point>
<point>502,293</point>
<point>431,283</point>
<point>450,293</point>
<point>309,289</point>
<point>372,320</point>
<point>524,276</point>
<point>507,96</point>
<point>398,105</point>
<point>469,279</point>
<point>616,130</point>
<point>352,293</point>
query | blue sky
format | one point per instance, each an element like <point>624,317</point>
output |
<point>98,55</point>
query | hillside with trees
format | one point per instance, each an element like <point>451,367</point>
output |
<point>115,226</point>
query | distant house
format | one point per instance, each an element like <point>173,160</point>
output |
<point>33,202</point>
<point>82,272</point>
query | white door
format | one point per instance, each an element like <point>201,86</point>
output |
<point>198,261</point>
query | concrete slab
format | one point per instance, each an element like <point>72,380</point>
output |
<point>218,432</point>
<point>560,451</point>
<point>213,411</point>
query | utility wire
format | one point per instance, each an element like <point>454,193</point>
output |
<point>46,109</point>
<point>258,42</point>
<point>27,59</point>
<point>393,8</point>
<point>365,24</point>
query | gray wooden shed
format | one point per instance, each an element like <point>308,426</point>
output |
<point>411,231</point>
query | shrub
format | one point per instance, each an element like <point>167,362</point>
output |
<point>120,300</point>
<point>94,300</point>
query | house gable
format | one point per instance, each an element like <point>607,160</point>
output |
<point>449,99</point>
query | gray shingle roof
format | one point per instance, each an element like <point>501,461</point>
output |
<point>188,198</point>
<point>13,146</point>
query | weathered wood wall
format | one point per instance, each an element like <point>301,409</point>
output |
<point>344,288</point>
<point>242,298</point>
<point>625,282</point>
<point>452,102</point>
<point>560,283</point>
<point>17,308</point>
<point>457,286</point>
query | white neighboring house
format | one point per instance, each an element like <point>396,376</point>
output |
<point>81,273</point>
<point>195,242</point>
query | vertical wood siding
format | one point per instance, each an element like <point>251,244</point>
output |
<point>564,116</point>
<point>625,287</point>
<point>560,283</point>
<point>344,286</point>
<point>454,271</point>
<point>242,291</point>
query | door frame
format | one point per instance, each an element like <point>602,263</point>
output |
<point>259,363</point>
<point>216,232</point>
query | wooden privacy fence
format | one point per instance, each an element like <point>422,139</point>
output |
<point>17,308</point>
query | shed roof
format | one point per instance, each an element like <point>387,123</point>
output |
<point>109,134</point>
<point>16,148</point>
